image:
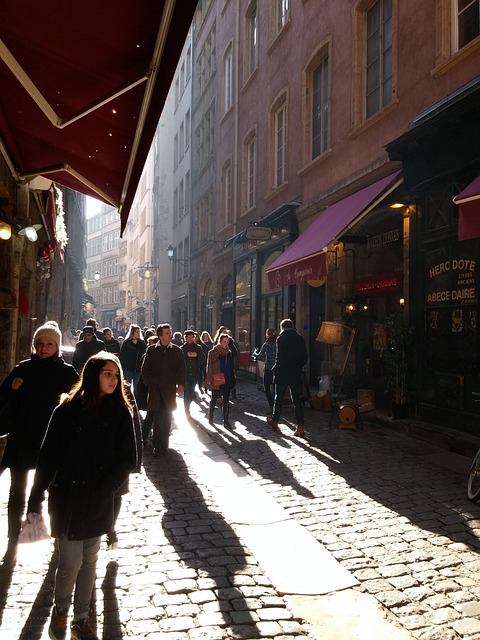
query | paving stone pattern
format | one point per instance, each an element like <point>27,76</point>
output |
<point>401,524</point>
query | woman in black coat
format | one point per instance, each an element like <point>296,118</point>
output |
<point>32,389</point>
<point>131,355</point>
<point>87,455</point>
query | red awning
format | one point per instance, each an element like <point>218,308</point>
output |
<point>469,211</point>
<point>305,258</point>
<point>83,86</point>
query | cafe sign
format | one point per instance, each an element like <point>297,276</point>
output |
<point>452,276</point>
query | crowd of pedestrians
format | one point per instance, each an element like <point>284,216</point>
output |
<point>82,427</point>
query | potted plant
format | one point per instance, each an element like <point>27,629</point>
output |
<point>400,337</point>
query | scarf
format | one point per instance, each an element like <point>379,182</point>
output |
<point>221,351</point>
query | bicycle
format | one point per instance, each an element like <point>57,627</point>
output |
<point>473,483</point>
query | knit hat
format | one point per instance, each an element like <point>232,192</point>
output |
<point>88,329</point>
<point>49,330</point>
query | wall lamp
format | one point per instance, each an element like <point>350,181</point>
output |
<point>171,253</point>
<point>30,231</point>
<point>5,230</point>
<point>334,250</point>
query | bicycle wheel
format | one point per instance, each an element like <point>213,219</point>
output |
<point>473,484</point>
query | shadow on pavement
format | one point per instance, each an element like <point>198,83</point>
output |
<point>393,470</point>
<point>112,627</point>
<point>41,608</point>
<point>224,578</point>
<point>254,454</point>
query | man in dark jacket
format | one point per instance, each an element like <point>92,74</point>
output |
<point>289,363</point>
<point>194,364</point>
<point>163,372</point>
<point>88,346</point>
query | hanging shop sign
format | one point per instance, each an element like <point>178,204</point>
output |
<point>452,276</point>
<point>385,284</point>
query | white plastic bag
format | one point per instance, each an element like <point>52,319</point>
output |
<point>34,529</point>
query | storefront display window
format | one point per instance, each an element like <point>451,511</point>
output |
<point>243,305</point>
<point>271,299</point>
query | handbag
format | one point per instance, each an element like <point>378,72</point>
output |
<point>34,529</point>
<point>218,379</point>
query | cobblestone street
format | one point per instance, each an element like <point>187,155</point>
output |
<point>390,509</point>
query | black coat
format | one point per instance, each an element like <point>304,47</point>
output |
<point>84,351</point>
<point>112,346</point>
<point>83,462</point>
<point>44,380</point>
<point>291,358</point>
<point>131,355</point>
<point>193,366</point>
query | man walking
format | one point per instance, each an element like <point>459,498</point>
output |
<point>289,363</point>
<point>163,372</point>
<point>88,346</point>
<point>194,364</point>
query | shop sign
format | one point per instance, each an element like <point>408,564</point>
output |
<point>385,284</point>
<point>383,238</point>
<point>452,276</point>
<point>240,248</point>
<point>258,233</point>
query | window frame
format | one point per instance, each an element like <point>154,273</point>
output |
<point>321,56</point>
<point>249,195</point>
<point>447,55</point>
<point>251,39</point>
<point>227,192</point>
<point>279,141</point>
<point>359,117</point>
<point>456,26</point>
<point>384,75</point>
<point>228,79</point>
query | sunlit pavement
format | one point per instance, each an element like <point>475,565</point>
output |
<point>248,532</point>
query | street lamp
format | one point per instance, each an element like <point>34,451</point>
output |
<point>96,277</point>
<point>171,253</point>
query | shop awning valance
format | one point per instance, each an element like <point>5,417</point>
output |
<point>305,258</point>
<point>83,86</point>
<point>469,211</point>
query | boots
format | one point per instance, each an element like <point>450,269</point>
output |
<point>211,409</point>
<point>226,409</point>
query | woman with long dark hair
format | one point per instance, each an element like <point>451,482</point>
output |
<point>87,455</point>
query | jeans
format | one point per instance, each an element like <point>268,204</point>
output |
<point>295,393</point>
<point>162,422</point>
<point>267,385</point>
<point>77,564</point>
